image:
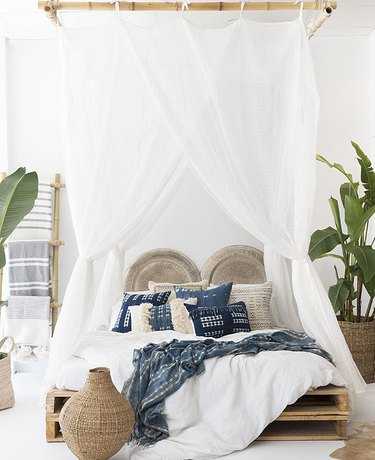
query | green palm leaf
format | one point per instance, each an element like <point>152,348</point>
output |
<point>348,189</point>
<point>323,241</point>
<point>340,168</point>
<point>339,293</point>
<point>367,174</point>
<point>365,256</point>
<point>18,193</point>
<point>353,215</point>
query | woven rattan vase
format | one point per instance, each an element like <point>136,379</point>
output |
<point>97,421</point>
<point>6,387</point>
<point>360,338</point>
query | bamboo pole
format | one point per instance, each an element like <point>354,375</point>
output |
<point>2,177</point>
<point>57,185</point>
<point>49,6</point>
<point>51,242</point>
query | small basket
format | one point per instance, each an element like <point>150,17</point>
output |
<point>6,387</point>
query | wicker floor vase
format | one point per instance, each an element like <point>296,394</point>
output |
<point>360,338</point>
<point>6,387</point>
<point>97,421</point>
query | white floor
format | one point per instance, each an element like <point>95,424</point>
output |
<point>22,431</point>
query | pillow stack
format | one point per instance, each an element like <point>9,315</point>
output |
<point>212,316</point>
<point>191,308</point>
<point>160,317</point>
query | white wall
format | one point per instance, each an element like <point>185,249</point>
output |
<point>342,67</point>
<point>343,74</point>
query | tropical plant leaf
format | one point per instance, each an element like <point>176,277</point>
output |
<point>366,216</point>
<point>2,256</point>
<point>336,215</point>
<point>339,293</point>
<point>323,241</point>
<point>17,197</point>
<point>365,256</point>
<point>336,166</point>
<point>367,174</point>
<point>348,189</point>
<point>369,285</point>
<point>353,214</point>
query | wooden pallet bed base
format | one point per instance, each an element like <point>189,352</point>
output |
<point>320,414</point>
<point>54,403</point>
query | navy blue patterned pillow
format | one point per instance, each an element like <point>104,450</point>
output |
<point>124,322</point>
<point>216,322</point>
<point>160,318</point>
<point>212,298</point>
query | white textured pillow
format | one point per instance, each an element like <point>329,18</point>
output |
<point>136,316</point>
<point>161,287</point>
<point>257,298</point>
<point>180,316</point>
<point>140,315</point>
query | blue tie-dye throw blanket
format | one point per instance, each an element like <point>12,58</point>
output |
<point>161,369</point>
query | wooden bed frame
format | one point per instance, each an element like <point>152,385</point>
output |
<point>320,414</point>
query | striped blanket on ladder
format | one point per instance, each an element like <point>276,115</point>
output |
<point>29,268</point>
<point>37,225</point>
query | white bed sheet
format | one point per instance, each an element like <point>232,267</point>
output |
<point>222,410</point>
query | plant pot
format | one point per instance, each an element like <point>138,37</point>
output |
<point>97,421</point>
<point>6,387</point>
<point>360,338</point>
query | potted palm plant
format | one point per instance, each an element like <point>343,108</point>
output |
<point>18,193</point>
<point>350,242</point>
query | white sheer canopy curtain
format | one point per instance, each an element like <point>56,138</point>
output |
<point>121,168</point>
<point>243,104</point>
<point>240,105</point>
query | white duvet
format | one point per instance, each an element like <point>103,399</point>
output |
<point>218,412</point>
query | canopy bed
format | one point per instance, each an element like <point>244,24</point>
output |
<point>237,105</point>
<point>244,266</point>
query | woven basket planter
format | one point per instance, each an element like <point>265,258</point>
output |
<point>97,421</point>
<point>360,338</point>
<point>6,387</point>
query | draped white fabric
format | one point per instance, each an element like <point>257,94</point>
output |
<point>240,105</point>
<point>121,167</point>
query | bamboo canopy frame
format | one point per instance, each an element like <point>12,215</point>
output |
<point>177,6</point>
<point>51,7</point>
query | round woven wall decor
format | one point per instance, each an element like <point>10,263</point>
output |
<point>240,264</point>
<point>161,266</point>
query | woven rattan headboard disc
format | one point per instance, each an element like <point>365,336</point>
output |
<point>160,265</point>
<point>240,264</point>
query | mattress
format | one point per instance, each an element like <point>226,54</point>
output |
<point>73,374</point>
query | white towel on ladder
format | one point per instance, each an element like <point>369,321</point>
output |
<point>37,225</point>
<point>26,319</point>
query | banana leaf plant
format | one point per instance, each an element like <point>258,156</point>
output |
<point>18,193</point>
<point>355,272</point>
